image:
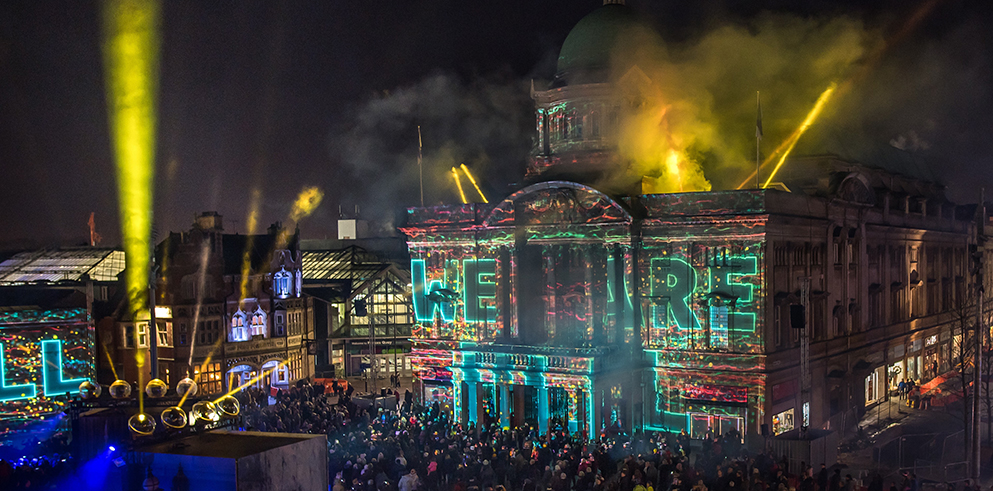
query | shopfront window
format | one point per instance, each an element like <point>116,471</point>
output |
<point>710,425</point>
<point>782,422</point>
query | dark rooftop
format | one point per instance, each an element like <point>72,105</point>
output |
<point>225,444</point>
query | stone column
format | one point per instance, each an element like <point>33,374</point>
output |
<point>459,405</point>
<point>504,406</point>
<point>473,402</point>
<point>586,416</point>
<point>574,423</point>
<point>542,410</point>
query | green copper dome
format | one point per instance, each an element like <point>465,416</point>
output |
<point>588,46</point>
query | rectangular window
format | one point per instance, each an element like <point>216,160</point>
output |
<point>209,380</point>
<point>777,331</point>
<point>128,336</point>
<point>719,327</point>
<point>142,334</point>
<point>164,333</point>
<point>182,339</point>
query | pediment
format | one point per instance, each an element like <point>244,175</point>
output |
<point>556,202</point>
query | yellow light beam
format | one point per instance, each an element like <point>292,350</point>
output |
<point>246,258</point>
<point>870,63</point>
<point>111,362</point>
<point>201,281</point>
<point>672,166</point>
<point>203,366</point>
<point>795,137</point>
<point>131,59</point>
<point>473,181</point>
<point>307,201</point>
<point>458,182</point>
<point>251,381</point>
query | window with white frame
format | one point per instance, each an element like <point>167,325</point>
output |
<point>141,332</point>
<point>281,283</point>
<point>164,332</point>
<point>239,331</point>
<point>258,323</point>
<point>719,327</point>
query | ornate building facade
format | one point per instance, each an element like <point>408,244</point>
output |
<point>229,308</point>
<point>610,310</point>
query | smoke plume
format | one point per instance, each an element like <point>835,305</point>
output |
<point>485,124</point>
<point>689,110</point>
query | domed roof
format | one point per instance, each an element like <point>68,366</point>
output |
<point>588,46</point>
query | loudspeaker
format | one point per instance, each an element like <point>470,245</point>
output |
<point>360,309</point>
<point>765,430</point>
<point>798,317</point>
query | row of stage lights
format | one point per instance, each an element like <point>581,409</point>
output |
<point>173,417</point>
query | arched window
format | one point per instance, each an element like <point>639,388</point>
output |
<point>281,283</point>
<point>238,332</point>
<point>258,327</point>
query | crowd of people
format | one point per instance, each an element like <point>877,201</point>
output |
<point>43,472</point>
<point>398,446</point>
<point>418,448</point>
<point>910,392</point>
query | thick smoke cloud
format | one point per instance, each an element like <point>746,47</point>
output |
<point>910,105</point>
<point>485,124</point>
<point>692,123</point>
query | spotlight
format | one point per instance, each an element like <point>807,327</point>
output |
<point>205,411</point>
<point>228,406</point>
<point>112,448</point>
<point>142,424</point>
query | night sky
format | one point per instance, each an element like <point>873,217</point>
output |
<point>274,95</point>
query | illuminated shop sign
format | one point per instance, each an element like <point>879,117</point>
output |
<point>782,422</point>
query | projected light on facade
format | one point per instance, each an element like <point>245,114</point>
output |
<point>44,356</point>
<point>548,294</point>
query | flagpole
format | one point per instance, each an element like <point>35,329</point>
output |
<point>420,167</point>
<point>758,140</point>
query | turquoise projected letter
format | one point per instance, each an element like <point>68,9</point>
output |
<point>424,307</point>
<point>13,392</point>
<point>51,371</point>
<point>675,280</point>
<point>726,279</point>
<point>479,276</point>
<point>627,308</point>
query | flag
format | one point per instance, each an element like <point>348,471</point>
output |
<point>758,120</point>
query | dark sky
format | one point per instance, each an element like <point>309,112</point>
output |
<point>257,94</point>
